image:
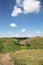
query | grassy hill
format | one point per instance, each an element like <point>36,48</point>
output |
<point>16,44</point>
<point>21,51</point>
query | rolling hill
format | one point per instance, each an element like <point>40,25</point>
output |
<point>16,44</point>
<point>21,51</point>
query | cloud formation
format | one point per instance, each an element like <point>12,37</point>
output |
<point>9,34</point>
<point>17,35</point>
<point>38,32</point>
<point>13,25</point>
<point>23,30</point>
<point>16,11</point>
<point>26,6</point>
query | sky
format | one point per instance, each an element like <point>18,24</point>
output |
<point>21,18</point>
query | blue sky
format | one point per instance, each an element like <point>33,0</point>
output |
<point>21,18</point>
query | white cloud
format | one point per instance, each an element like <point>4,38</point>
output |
<point>17,35</point>
<point>18,1</point>
<point>16,11</point>
<point>29,6</point>
<point>37,32</point>
<point>2,35</point>
<point>13,25</point>
<point>23,30</point>
<point>9,34</point>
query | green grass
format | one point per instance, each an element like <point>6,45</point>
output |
<point>29,52</point>
<point>13,44</point>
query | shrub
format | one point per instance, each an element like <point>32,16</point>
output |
<point>28,45</point>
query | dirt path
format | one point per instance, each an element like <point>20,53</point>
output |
<point>6,60</point>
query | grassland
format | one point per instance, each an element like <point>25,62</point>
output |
<point>21,51</point>
<point>29,57</point>
<point>15,44</point>
<point>23,57</point>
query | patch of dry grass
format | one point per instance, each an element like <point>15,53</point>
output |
<point>23,57</point>
<point>30,57</point>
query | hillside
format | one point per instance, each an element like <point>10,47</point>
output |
<point>21,51</point>
<point>16,44</point>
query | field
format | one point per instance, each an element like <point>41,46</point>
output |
<point>21,51</point>
<point>23,57</point>
<point>29,57</point>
